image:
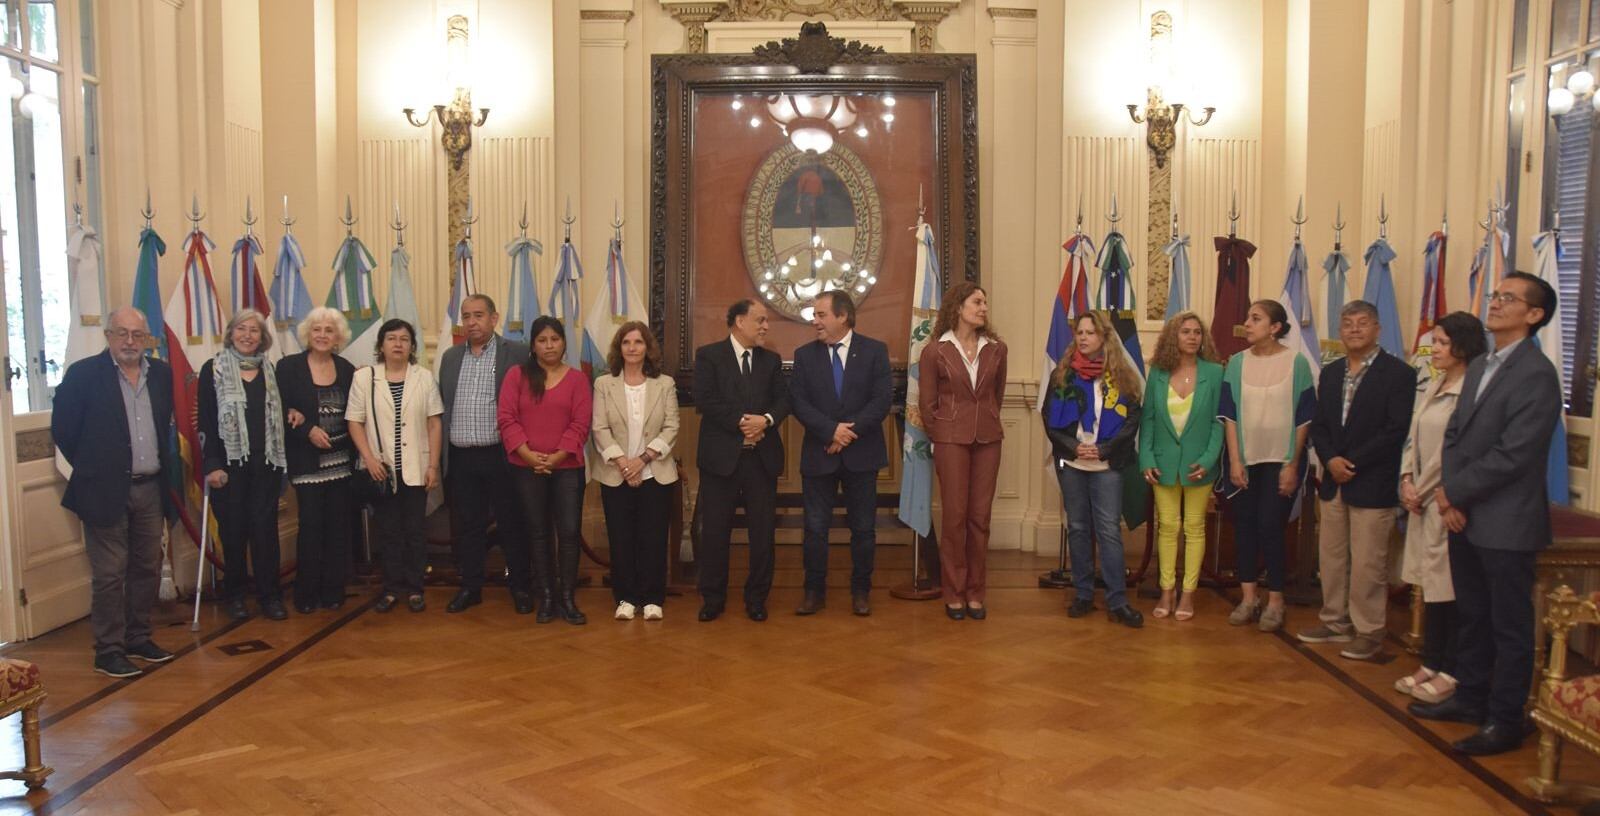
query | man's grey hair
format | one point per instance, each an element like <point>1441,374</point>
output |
<point>1360,307</point>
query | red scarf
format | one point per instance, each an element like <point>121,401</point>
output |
<point>1089,368</point>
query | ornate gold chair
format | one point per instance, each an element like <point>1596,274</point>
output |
<point>21,690</point>
<point>1566,710</point>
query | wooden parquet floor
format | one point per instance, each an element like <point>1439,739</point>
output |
<point>903,712</point>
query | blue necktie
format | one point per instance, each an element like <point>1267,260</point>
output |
<point>838,372</point>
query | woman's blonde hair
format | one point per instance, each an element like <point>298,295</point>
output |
<point>324,314</point>
<point>1121,372</point>
<point>1167,355</point>
<point>242,316</point>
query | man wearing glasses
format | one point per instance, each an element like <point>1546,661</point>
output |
<point>1495,502</point>
<point>111,420</point>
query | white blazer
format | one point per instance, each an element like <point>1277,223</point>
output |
<point>420,401</point>
<point>609,430</point>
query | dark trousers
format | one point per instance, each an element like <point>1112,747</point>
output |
<point>403,549</point>
<point>1439,627</point>
<point>860,509</point>
<point>479,487</point>
<point>125,562</point>
<point>555,497</point>
<point>752,486</point>
<point>1259,514</point>
<point>247,520</point>
<point>1494,634</point>
<point>323,546</point>
<point>636,524</point>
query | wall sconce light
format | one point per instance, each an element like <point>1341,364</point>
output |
<point>1162,116</point>
<point>1562,98</point>
<point>456,118</point>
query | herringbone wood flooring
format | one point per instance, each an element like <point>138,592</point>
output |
<point>902,712</point>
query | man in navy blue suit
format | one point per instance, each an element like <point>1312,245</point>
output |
<point>840,390</point>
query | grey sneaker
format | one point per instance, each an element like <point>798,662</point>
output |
<point>1271,619</point>
<point>1244,613</point>
<point>1364,647</point>
<point>1323,633</point>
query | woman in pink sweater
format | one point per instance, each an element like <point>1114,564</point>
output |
<point>544,414</point>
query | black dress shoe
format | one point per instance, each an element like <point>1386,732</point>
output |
<point>1080,607</point>
<point>386,602</point>
<point>811,604</point>
<point>304,608</point>
<point>1127,616</point>
<point>977,612</point>
<point>1493,738</point>
<point>569,610</point>
<point>710,612</point>
<point>1454,709</point>
<point>273,609</point>
<point>523,601</point>
<point>237,609</point>
<point>756,612</point>
<point>859,605</point>
<point>464,600</point>
<point>955,612</point>
<point>334,605</point>
<point>416,602</point>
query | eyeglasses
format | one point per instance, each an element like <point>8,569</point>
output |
<point>1506,298</point>
<point>124,334</point>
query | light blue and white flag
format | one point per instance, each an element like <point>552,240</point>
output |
<point>1336,283</point>
<point>566,301</point>
<point>464,284</point>
<point>522,297</point>
<point>351,290</point>
<point>619,303</point>
<point>1296,300</point>
<point>916,473</point>
<point>1547,254</point>
<point>1379,291</point>
<point>1178,294</point>
<point>291,300</point>
<point>86,286</point>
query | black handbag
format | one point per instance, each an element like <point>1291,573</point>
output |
<point>367,489</point>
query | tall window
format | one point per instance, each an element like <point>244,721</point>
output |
<point>49,163</point>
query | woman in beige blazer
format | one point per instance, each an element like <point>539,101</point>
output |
<point>1457,338</point>
<point>393,415</point>
<point>635,425</point>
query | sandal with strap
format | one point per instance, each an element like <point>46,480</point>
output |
<point>1408,685</point>
<point>1164,608</point>
<point>1183,614</point>
<point>1439,688</point>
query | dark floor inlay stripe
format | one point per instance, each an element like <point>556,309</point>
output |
<point>149,668</point>
<point>117,763</point>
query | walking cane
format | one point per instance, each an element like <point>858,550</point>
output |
<point>199,569</point>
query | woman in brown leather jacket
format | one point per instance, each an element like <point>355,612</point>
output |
<point>962,378</point>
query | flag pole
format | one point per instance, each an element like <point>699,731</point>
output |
<point>200,564</point>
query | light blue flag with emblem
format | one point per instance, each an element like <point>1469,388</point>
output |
<point>1547,255</point>
<point>916,473</point>
<point>1379,292</point>
<point>291,300</point>
<point>566,302</point>
<point>1178,295</point>
<point>1296,298</point>
<point>522,295</point>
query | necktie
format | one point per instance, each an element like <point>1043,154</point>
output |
<point>746,364</point>
<point>838,372</point>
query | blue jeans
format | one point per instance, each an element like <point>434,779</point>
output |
<point>1093,500</point>
<point>860,506</point>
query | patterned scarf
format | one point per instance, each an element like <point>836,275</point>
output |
<point>231,425</point>
<point>1073,401</point>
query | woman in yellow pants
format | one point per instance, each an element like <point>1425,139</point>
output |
<point>1180,439</point>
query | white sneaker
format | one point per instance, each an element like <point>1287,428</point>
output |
<point>624,611</point>
<point>652,612</point>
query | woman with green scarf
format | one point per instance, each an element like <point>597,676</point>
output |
<point>241,425</point>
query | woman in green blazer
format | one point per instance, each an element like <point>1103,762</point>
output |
<point>1180,439</point>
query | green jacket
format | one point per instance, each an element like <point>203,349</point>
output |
<point>1162,447</point>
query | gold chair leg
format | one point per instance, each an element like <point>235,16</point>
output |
<point>1413,638</point>
<point>34,772</point>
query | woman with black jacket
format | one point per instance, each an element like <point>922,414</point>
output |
<point>315,385</point>
<point>1092,418</point>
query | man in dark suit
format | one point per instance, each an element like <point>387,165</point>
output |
<point>1364,406</point>
<point>1496,504</point>
<point>741,398</point>
<point>841,391</point>
<point>478,481</point>
<point>112,419</point>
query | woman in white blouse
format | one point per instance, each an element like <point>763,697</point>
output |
<point>635,425</point>
<point>1457,339</point>
<point>394,418</point>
